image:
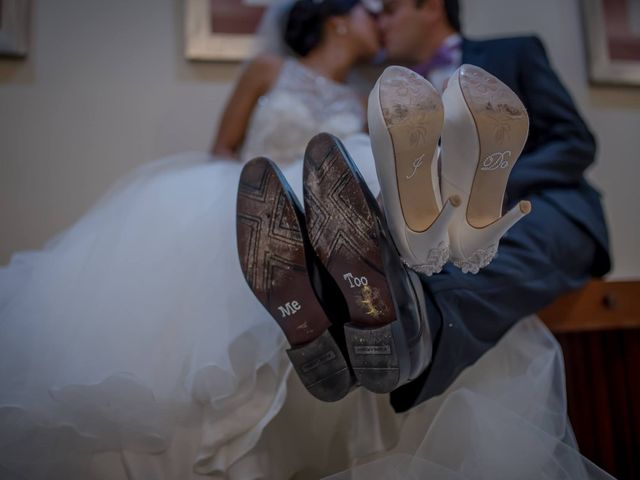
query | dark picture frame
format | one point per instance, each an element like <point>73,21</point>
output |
<point>14,27</point>
<point>221,30</point>
<point>612,30</point>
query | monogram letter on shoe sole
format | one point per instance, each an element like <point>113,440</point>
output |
<point>349,236</point>
<point>486,126</point>
<point>405,121</point>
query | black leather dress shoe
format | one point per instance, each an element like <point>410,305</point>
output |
<point>388,337</point>
<point>283,272</point>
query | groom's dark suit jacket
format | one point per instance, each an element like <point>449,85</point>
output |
<point>556,248</point>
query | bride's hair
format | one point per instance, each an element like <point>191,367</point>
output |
<point>304,23</point>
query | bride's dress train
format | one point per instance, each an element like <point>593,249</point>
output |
<point>131,347</point>
<point>120,326</point>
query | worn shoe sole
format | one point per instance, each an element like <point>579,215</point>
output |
<point>345,229</point>
<point>274,255</point>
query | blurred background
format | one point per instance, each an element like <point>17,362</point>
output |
<point>106,87</point>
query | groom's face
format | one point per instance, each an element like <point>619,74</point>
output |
<point>403,28</point>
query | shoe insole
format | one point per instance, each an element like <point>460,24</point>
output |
<point>412,110</point>
<point>502,124</point>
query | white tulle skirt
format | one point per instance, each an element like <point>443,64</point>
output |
<point>131,347</point>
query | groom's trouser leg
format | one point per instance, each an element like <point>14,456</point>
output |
<point>543,256</point>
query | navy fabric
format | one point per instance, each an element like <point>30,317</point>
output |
<point>555,249</point>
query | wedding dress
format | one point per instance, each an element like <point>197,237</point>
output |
<point>131,346</point>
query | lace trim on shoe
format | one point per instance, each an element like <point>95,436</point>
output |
<point>436,259</point>
<point>480,259</point>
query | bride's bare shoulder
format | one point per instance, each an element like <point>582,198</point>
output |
<point>268,61</point>
<point>265,69</point>
<point>257,78</point>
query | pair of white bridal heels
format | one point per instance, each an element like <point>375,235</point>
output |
<point>453,212</point>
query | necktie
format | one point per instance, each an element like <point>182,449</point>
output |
<point>443,57</point>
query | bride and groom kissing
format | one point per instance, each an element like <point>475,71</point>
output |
<point>142,305</point>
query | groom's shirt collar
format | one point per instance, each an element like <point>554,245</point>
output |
<point>443,63</point>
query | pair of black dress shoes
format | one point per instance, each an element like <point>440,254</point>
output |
<point>330,276</point>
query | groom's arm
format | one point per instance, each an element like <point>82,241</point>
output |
<point>560,146</point>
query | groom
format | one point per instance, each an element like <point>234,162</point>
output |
<point>558,247</point>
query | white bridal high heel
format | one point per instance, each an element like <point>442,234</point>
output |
<point>485,129</point>
<point>405,121</point>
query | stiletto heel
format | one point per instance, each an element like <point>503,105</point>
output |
<point>405,121</point>
<point>481,247</point>
<point>485,129</point>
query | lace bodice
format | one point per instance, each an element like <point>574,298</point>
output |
<point>300,105</point>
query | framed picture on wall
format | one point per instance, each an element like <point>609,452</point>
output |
<point>14,27</point>
<point>221,30</point>
<point>612,29</point>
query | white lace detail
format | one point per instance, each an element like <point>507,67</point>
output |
<point>300,105</point>
<point>480,259</point>
<point>436,259</point>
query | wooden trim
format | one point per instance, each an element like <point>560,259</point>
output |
<point>600,305</point>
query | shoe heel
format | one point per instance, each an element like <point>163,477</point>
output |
<point>322,368</point>
<point>379,356</point>
<point>499,228</point>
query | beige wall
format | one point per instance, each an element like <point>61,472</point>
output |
<point>106,89</point>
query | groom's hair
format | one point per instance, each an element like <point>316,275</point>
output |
<point>452,11</point>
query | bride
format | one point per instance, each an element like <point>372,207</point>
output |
<point>137,320</point>
<point>131,346</point>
